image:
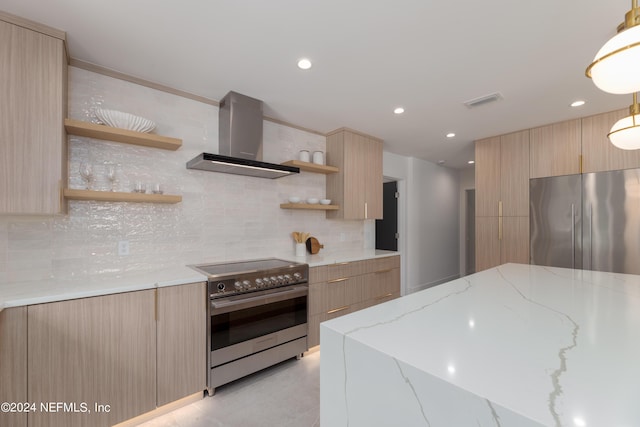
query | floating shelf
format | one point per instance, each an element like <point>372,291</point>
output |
<point>108,133</point>
<point>312,167</point>
<point>114,196</point>
<point>307,206</point>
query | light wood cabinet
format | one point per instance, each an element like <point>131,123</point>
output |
<point>556,149</point>
<point>357,186</point>
<point>598,153</point>
<point>339,289</point>
<point>95,350</point>
<point>33,158</point>
<point>13,363</point>
<point>181,362</point>
<point>502,199</point>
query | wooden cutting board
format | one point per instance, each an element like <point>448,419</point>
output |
<point>313,246</point>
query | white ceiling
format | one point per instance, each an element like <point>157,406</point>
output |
<point>369,56</point>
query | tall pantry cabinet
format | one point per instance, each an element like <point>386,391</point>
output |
<point>33,162</point>
<point>502,200</point>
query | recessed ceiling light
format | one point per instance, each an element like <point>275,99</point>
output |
<point>451,135</point>
<point>399,110</point>
<point>471,162</point>
<point>577,103</point>
<point>304,64</point>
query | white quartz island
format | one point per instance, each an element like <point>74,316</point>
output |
<point>516,345</point>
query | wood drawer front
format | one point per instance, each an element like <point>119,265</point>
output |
<point>345,269</point>
<point>318,274</point>
<point>331,295</point>
<point>380,264</point>
<point>381,284</point>
<point>313,336</point>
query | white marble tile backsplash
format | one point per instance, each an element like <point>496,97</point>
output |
<point>222,217</point>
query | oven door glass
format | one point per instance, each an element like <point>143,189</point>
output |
<point>247,323</point>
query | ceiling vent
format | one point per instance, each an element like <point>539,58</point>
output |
<point>486,99</point>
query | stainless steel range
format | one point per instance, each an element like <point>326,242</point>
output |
<point>257,316</point>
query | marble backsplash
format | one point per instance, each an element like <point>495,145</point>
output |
<point>221,217</point>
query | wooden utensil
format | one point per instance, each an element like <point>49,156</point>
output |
<point>313,246</point>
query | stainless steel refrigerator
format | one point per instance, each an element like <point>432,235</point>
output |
<point>589,221</point>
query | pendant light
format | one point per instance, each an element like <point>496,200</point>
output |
<point>625,133</point>
<point>616,66</point>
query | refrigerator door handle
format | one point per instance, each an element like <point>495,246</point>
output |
<point>573,235</point>
<point>590,236</point>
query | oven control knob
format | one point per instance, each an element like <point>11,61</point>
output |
<point>287,278</point>
<point>220,287</point>
<point>297,276</point>
<point>274,280</point>
<point>280,279</point>
<point>259,282</point>
<point>237,285</point>
<point>246,284</point>
<point>266,280</point>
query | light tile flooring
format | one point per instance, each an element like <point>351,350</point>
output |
<point>285,395</point>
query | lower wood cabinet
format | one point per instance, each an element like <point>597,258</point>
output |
<point>181,332</point>
<point>13,364</point>
<point>98,350</point>
<point>127,353</point>
<point>339,289</point>
<point>495,246</point>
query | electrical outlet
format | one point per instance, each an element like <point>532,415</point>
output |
<point>123,247</point>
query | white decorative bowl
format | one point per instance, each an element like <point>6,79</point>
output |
<point>325,201</point>
<point>312,201</point>
<point>294,199</point>
<point>119,119</point>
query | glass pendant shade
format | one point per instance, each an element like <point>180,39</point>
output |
<point>616,67</point>
<point>625,133</point>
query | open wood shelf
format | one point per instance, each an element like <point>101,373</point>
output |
<point>108,133</point>
<point>114,196</point>
<point>307,206</point>
<point>311,167</point>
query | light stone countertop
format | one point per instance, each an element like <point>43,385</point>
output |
<point>43,291</point>
<point>516,345</point>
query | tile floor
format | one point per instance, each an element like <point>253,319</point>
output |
<point>285,395</point>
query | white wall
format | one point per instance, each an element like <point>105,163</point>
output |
<point>222,217</point>
<point>467,182</point>
<point>428,213</point>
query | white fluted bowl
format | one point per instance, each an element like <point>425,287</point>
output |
<point>119,119</point>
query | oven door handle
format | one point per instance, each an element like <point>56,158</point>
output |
<point>226,306</point>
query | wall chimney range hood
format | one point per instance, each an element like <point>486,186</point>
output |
<point>240,142</point>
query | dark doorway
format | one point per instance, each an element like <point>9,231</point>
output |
<point>387,227</point>
<point>471,232</point>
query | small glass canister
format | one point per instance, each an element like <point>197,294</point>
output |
<point>305,156</point>
<point>318,157</point>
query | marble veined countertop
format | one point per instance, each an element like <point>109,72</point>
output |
<point>516,345</point>
<point>43,291</point>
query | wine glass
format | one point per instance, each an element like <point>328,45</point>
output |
<point>111,174</point>
<point>86,172</point>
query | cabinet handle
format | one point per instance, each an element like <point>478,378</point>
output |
<point>500,220</point>
<point>383,271</point>
<point>335,310</point>
<point>365,210</point>
<point>342,279</point>
<point>155,296</point>
<point>383,296</point>
<point>580,162</point>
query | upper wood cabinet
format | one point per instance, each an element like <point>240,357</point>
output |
<point>95,350</point>
<point>598,153</point>
<point>182,335</point>
<point>357,186</point>
<point>502,175</point>
<point>556,149</point>
<point>33,164</point>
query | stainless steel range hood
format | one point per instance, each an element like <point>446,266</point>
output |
<point>240,142</point>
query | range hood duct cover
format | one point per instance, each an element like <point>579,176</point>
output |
<point>240,141</point>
